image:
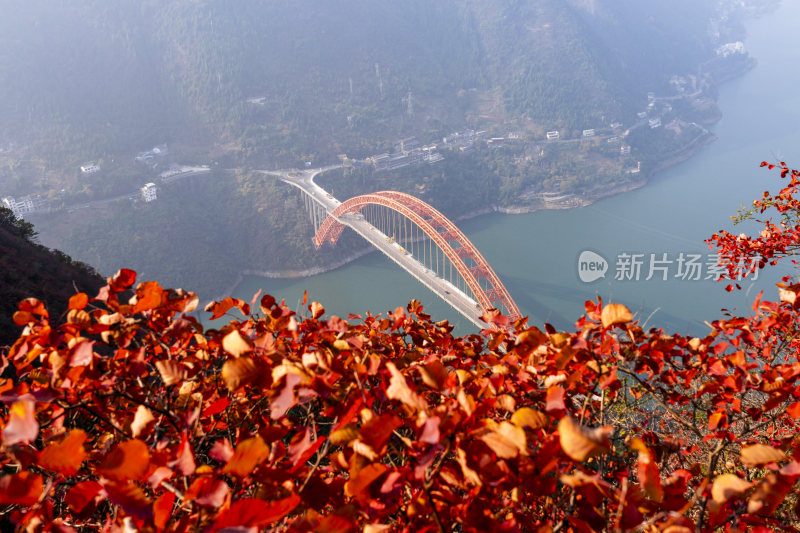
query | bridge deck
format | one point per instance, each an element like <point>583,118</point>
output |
<point>304,180</point>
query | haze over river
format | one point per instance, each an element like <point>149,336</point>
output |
<point>536,255</point>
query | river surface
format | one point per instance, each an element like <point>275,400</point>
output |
<point>536,255</point>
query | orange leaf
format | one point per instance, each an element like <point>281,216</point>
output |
<point>235,344</point>
<point>22,426</point>
<point>505,439</point>
<point>148,296</point>
<point>172,372</point>
<point>761,454</point>
<point>252,512</point>
<point>716,420</point>
<point>727,486</point>
<point>141,420</point>
<point>32,305</point>
<point>529,418</point>
<point>128,460</point>
<point>24,488</point>
<point>615,314</point>
<point>399,390</point>
<point>794,410</point>
<point>555,399</point>
<point>247,455</point>
<point>239,372</point>
<point>316,310</point>
<point>580,442</point>
<point>357,486</point>
<point>78,301</point>
<point>22,318</point>
<point>649,475</point>
<point>65,457</point>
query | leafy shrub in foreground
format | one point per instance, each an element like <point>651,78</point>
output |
<point>129,415</point>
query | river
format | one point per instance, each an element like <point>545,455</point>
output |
<point>536,255</point>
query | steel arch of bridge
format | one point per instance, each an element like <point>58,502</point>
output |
<point>441,231</point>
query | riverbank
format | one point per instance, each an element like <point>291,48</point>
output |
<point>669,161</point>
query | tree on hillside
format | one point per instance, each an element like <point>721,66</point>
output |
<point>16,226</point>
<point>130,414</point>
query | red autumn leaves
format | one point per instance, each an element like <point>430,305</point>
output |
<point>130,413</point>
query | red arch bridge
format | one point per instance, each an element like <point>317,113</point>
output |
<point>415,236</point>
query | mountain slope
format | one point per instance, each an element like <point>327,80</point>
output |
<point>30,270</point>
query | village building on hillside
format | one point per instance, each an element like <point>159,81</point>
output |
<point>89,168</point>
<point>150,192</point>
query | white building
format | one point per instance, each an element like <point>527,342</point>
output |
<point>731,49</point>
<point>90,168</point>
<point>552,135</point>
<point>588,133</point>
<point>149,192</point>
<point>19,207</point>
<point>655,123</point>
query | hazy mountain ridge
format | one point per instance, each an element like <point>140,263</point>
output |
<point>104,79</point>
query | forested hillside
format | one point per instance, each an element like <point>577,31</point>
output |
<point>85,79</point>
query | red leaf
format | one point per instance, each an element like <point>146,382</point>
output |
<point>302,452</point>
<point>24,488</point>
<point>208,491</point>
<point>162,510</point>
<point>252,512</point>
<point>131,499</point>
<point>81,354</point>
<point>221,451</point>
<point>794,410</point>
<point>220,308</point>
<point>185,461</point>
<point>555,399</point>
<point>217,407</point>
<point>285,399</point>
<point>127,461</point>
<point>81,494</point>
<point>33,306</point>
<point>65,457</point>
<point>649,476</point>
<point>122,280</point>
<point>22,426</point>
